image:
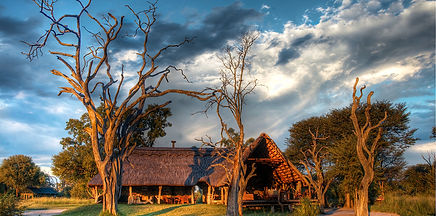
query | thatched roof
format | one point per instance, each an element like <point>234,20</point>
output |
<point>170,166</point>
<point>43,190</point>
<point>188,166</point>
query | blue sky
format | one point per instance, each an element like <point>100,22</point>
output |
<point>307,57</point>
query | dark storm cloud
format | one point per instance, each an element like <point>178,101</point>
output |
<point>287,55</point>
<point>302,40</point>
<point>398,37</point>
<point>221,25</point>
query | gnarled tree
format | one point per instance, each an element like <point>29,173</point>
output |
<point>366,147</point>
<point>314,163</point>
<point>91,77</point>
<point>230,97</point>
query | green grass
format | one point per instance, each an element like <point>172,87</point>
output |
<point>53,203</point>
<point>165,210</point>
<point>150,210</point>
<point>406,205</point>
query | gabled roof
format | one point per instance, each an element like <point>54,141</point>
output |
<point>284,170</point>
<point>188,166</point>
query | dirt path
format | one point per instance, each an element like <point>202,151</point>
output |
<point>47,212</point>
<point>350,212</point>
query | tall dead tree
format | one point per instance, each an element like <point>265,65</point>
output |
<point>366,149</point>
<point>314,162</point>
<point>230,98</point>
<point>91,78</point>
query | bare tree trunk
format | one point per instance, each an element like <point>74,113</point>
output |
<point>112,185</point>
<point>233,203</point>
<point>362,200</point>
<point>347,200</point>
<point>366,153</point>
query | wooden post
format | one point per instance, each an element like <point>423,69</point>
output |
<point>209,188</point>
<point>222,195</point>
<point>192,195</point>
<point>226,192</point>
<point>158,196</point>
<point>130,199</point>
<point>211,195</point>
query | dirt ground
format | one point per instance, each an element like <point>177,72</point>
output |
<point>47,212</point>
<point>350,212</point>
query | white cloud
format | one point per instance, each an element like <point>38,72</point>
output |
<point>264,6</point>
<point>423,148</point>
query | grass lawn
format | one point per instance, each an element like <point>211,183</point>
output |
<point>163,210</point>
<point>53,203</point>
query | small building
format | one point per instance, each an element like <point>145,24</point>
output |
<point>31,192</point>
<point>171,175</point>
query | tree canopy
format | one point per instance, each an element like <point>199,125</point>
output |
<point>340,146</point>
<point>20,172</point>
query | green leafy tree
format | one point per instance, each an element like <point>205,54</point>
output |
<point>19,172</point>
<point>9,205</point>
<point>75,165</point>
<point>418,179</point>
<point>340,146</point>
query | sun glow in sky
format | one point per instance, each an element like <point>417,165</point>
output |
<point>306,59</point>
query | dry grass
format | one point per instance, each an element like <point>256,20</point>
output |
<point>406,205</point>
<point>53,203</point>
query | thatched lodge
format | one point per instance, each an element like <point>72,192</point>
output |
<point>173,175</point>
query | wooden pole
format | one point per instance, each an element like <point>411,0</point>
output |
<point>192,195</point>
<point>130,199</point>
<point>222,195</point>
<point>226,192</point>
<point>158,196</point>
<point>211,195</point>
<point>208,194</point>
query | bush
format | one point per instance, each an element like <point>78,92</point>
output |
<point>9,205</point>
<point>306,209</point>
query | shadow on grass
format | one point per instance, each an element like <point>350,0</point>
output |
<point>163,211</point>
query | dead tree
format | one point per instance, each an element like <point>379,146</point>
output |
<point>365,152</point>
<point>91,80</point>
<point>314,164</point>
<point>230,97</point>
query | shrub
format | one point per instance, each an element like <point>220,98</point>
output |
<point>306,209</point>
<point>9,205</point>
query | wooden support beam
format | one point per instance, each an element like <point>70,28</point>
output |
<point>222,195</point>
<point>130,199</point>
<point>209,189</point>
<point>226,193</point>
<point>159,195</point>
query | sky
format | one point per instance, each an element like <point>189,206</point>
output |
<point>306,59</point>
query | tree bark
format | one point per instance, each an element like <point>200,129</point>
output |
<point>112,183</point>
<point>233,202</point>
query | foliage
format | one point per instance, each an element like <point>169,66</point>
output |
<point>75,165</point>
<point>418,179</point>
<point>306,208</point>
<point>9,205</point>
<point>396,138</point>
<point>407,205</point>
<point>227,143</point>
<point>19,172</point>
